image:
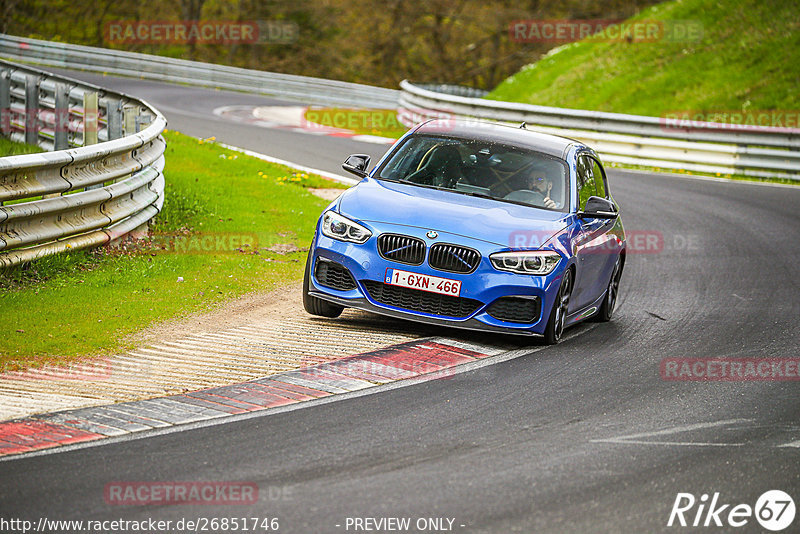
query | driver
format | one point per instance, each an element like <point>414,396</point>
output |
<point>538,182</point>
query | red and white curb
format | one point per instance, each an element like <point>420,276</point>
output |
<point>291,118</point>
<point>424,359</point>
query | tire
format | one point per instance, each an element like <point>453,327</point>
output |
<point>314,305</point>
<point>609,303</point>
<point>555,324</point>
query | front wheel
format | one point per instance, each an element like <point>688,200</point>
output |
<point>558,315</point>
<point>314,305</point>
<point>610,302</point>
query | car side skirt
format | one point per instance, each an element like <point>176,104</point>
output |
<point>586,312</point>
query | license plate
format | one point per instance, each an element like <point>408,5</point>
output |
<point>424,282</point>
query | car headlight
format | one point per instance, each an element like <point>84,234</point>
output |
<point>337,226</point>
<point>539,262</point>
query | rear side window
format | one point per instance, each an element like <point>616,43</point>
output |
<point>599,179</point>
<point>591,180</point>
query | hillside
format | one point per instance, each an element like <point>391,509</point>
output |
<point>748,58</point>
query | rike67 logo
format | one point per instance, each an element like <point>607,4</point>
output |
<point>774,510</point>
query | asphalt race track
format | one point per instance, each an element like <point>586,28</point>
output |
<point>584,436</point>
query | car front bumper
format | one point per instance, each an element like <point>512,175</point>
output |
<point>485,285</point>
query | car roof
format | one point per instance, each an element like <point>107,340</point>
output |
<point>499,133</point>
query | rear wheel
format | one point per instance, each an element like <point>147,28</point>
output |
<point>558,315</point>
<point>314,305</point>
<point>610,302</point>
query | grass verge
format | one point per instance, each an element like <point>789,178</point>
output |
<point>742,60</point>
<point>10,148</point>
<point>231,225</point>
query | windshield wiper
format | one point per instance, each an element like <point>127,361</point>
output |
<point>474,194</point>
<point>437,187</point>
<point>442,188</point>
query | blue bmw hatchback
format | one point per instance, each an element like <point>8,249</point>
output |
<point>472,225</point>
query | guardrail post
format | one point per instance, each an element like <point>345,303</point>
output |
<point>129,114</point>
<point>32,110</point>
<point>142,122</point>
<point>114,118</point>
<point>90,119</point>
<point>61,137</point>
<point>90,115</point>
<point>5,102</point>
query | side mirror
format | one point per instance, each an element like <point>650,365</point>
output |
<point>598,208</point>
<point>357,164</point>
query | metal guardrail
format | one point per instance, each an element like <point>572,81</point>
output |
<point>300,88</point>
<point>630,139</point>
<point>450,89</point>
<point>74,198</point>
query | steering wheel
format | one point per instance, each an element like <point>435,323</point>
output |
<point>526,195</point>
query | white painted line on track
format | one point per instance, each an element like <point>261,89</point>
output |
<point>637,439</point>
<point>264,157</point>
<point>669,443</point>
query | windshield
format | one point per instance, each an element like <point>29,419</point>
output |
<point>480,168</point>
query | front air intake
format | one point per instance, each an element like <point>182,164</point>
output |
<point>334,275</point>
<point>515,309</point>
